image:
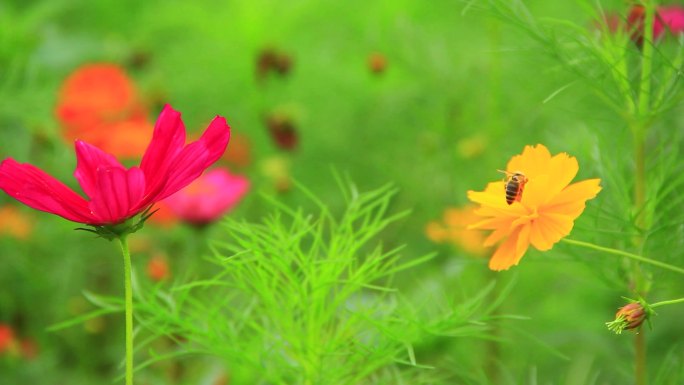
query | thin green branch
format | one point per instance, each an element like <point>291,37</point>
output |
<point>632,256</point>
<point>668,302</point>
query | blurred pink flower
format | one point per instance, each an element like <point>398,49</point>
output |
<point>116,193</point>
<point>668,18</point>
<point>209,197</point>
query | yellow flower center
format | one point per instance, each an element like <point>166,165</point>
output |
<point>525,219</point>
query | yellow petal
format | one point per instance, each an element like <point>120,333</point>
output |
<point>496,236</point>
<point>532,162</point>
<point>549,229</point>
<point>508,253</point>
<point>562,169</point>
<point>523,242</point>
<point>435,232</point>
<point>494,195</point>
<point>535,192</point>
<point>492,223</point>
<point>576,192</point>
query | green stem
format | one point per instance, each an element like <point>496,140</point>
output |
<point>635,257</point>
<point>128,293</point>
<point>668,302</point>
<point>642,219</point>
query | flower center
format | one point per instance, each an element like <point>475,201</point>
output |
<point>526,219</point>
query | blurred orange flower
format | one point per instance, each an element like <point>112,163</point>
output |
<point>14,223</point>
<point>158,268</point>
<point>163,216</point>
<point>544,214</point>
<point>454,229</point>
<point>99,103</point>
<point>239,153</point>
<point>377,63</point>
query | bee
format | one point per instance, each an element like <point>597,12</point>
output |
<point>514,185</point>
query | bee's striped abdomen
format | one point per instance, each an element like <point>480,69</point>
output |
<point>514,187</point>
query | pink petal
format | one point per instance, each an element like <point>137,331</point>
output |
<point>35,188</point>
<point>89,160</point>
<point>195,158</point>
<point>119,192</point>
<point>673,17</point>
<point>209,197</point>
<point>167,142</point>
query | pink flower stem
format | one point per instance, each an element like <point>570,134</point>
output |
<point>128,294</point>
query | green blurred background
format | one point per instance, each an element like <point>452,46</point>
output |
<point>460,94</point>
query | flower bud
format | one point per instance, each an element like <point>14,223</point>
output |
<point>630,316</point>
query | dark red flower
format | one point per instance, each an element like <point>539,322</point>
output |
<point>272,60</point>
<point>114,192</point>
<point>283,130</point>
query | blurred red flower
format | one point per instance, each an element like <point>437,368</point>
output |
<point>99,104</point>
<point>209,197</point>
<point>116,193</point>
<point>7,341</point>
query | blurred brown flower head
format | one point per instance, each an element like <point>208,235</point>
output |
<point>270,60</point>
<point>283,130</point>
<point>377,63</point>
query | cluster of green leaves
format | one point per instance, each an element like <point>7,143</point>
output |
<point>303,298</point>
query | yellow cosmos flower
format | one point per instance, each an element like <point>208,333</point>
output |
<point>454,229</point>
<point>544,214</point>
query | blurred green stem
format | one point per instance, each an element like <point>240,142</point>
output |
<point>639,133</point>
<point>668,302</point>
<point>634,257</point>
<point>128,293</point>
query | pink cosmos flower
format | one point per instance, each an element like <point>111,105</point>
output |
<point>116,193</point>
<point>667,19</point>
<point>209,197</point>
